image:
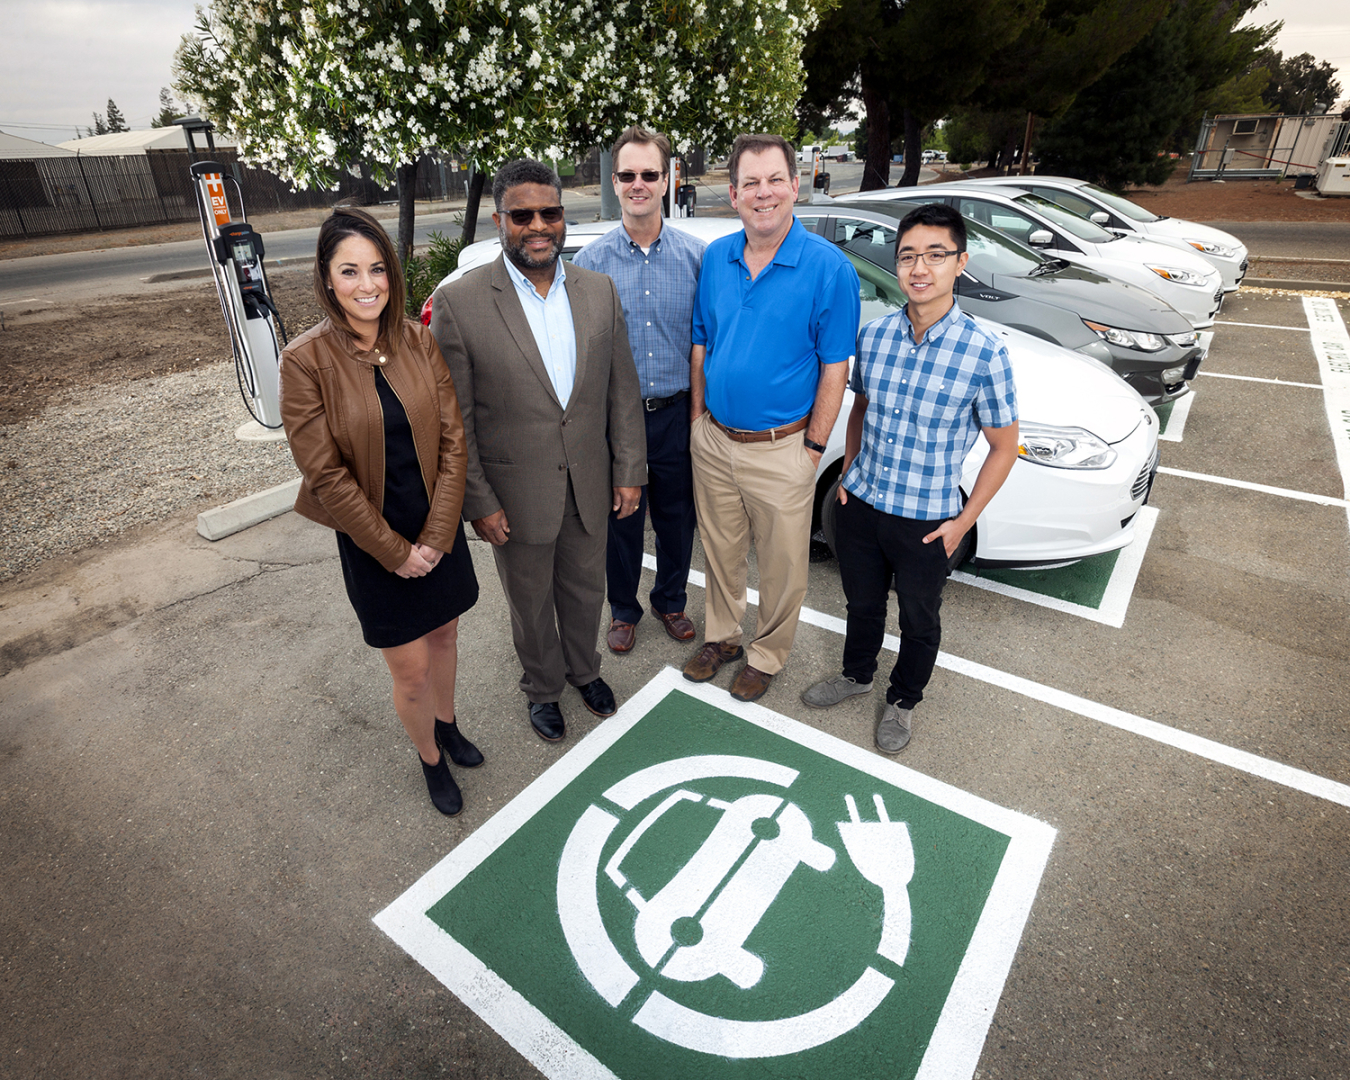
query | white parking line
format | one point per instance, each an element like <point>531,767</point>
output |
<point>1176,420</point>
<point>1116,599</point>
<point>1257,378</point>
<point>1261,326</point>
<point>1331,343</point>
<point>1243,761</point>
<point>1286,493</point>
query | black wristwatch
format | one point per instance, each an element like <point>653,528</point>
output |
<point>813,445</point>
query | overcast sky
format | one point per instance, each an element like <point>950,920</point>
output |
<point>63,59</point>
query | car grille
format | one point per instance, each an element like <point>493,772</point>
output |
<point>1144,480</point>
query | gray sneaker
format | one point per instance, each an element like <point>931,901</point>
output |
<point>893,731</point>
<point>833,691</point>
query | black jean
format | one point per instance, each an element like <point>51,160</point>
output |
<point>878,552</point>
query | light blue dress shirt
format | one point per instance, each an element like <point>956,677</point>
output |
<point>550,319</point>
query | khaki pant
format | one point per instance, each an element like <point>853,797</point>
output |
<point>761,492</point>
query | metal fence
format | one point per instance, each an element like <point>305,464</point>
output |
<point>86,193</point>
<point>45,196</point>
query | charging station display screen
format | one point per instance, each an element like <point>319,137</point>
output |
<point>243,251</point>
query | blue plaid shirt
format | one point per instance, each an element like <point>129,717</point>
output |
<point>657,289</point>
<point>926,404</point>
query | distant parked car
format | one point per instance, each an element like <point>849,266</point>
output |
<point>1089,442</point>
<point>1146,341</point>
<point>1185,280</point>
<point>1120,215</point>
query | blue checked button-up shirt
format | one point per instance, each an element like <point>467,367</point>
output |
<point>926,403</point>
<point>657,289</point>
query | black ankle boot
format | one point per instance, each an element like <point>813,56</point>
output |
<point>462,752</point>
<point>442,788</point>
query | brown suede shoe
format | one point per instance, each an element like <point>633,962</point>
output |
<point>750,684</point>
<point>677,626</point>
<point>709,660</point>
<point>622,636</point>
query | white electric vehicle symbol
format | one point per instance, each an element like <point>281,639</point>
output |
<point>696,926</point>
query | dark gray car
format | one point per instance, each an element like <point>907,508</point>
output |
<point>1145,340</point>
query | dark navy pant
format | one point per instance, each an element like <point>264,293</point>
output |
<point>878,552</point>
<point>670,494</point>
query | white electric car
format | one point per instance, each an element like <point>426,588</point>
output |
<point>1183,278</point>
<point>1089,442</point>
<point>1120,215</point>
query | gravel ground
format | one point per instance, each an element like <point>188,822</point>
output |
<point>101,460</point>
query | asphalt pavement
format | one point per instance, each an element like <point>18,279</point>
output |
<point>205,796</point>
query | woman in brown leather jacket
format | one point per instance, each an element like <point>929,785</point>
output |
<point>374,426</point>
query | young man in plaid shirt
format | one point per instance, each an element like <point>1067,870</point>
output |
<point>928,380</point>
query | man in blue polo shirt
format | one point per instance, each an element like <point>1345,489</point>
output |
<point>775,325</point>
<point>655,270</point>
<point>929,380</point>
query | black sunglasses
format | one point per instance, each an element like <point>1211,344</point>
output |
<point>551,215</point>
<point>649,176</point>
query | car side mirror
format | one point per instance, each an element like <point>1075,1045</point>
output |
<point>1041,238</point>
<point>1101,217</point>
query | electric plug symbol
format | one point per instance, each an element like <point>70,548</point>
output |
<point>883,854</point>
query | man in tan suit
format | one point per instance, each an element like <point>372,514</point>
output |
<point>553,419</point>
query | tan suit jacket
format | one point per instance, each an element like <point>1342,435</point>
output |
<point>522,444</point>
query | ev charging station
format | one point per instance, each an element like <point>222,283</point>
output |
<point>256,333</point>
<point>681,196</point>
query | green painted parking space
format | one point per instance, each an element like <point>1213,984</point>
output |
<point>1098,588</point>
<point>703,888</point>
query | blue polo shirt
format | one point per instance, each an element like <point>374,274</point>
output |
<point>766,338</point>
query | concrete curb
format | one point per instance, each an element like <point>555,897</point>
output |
<point>1297,286</point>
<point>249,511</point>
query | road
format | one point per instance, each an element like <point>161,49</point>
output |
<point>47,280</point>
<point>1291,239</point>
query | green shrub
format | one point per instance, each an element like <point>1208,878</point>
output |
<point>424,272</point>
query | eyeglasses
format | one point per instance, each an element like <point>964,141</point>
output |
<point>932,258</point>
<point>551,215</point>
<point>649,176</point>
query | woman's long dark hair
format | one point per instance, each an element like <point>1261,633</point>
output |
<point>348,221</point>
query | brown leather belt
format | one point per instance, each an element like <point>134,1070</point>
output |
<point>772,435</point>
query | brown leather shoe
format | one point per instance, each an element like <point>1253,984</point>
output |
<point>750,684</point>
<point>708,660</point>
<point>677,626</point>
<point>622,636</point>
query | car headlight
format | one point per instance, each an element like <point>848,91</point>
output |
<point>1063,447</point>
<point>1209,248</point>
<point>1130,339</point>
<point>1180,276</point>
<point>1184,340</point>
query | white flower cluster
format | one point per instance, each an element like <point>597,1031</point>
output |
<point>310,86</point>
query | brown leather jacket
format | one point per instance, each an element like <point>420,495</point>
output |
<point>331,411</point>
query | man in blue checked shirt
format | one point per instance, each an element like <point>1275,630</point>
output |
<point>927,382</point>
<point>656,272</point>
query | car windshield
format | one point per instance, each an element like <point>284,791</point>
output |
<point>993,253</point>
<point>990,251</point>
<point>1123,207</point>
<point>1069,222</point>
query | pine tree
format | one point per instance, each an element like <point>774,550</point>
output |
<point>116,122</point>
<point>168,111</point>
<point>99,128</point>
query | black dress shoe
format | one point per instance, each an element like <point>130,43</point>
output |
<point>462,752</point>
<point>442,788</point>
<point>599,698</point>
<point>547,719</point>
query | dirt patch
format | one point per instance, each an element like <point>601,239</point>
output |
<point>125,338</point>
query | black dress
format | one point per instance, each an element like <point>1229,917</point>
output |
<point>394,610</point>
